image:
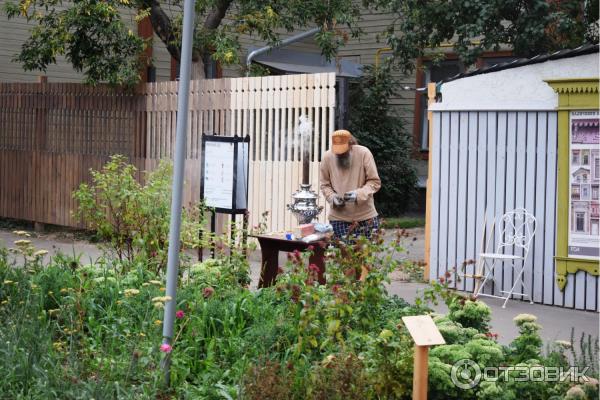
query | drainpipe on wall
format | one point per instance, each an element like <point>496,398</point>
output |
<point>283,43</point>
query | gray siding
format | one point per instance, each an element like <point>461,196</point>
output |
<point>484,164</point>
<point>14,32</point>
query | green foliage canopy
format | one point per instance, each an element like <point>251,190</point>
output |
<point>95,39</point>
<point>528,27</point>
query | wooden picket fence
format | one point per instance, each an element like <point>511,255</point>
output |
<point>52,134</point>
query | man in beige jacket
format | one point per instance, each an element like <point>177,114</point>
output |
<point>349,179</point>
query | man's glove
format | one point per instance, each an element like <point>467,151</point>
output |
<point>350,197</point>
<point>338,201</point>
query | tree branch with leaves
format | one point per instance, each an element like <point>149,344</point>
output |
<point>93,36</point>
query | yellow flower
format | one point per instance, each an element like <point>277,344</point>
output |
<point>157,283</point>
<point>158,322</point>
<point>50,292</point>
<point>145,284</point>
<point>7,282</point>
<point>162,289</point>
<point>119,301</point>
<point>158,305</point>
<point>131,292</point>
<point>63,290</point>
<point>40,253</point>
<point>4,302</point>
<point>22,242</point>
<point>21,302</point>
<point>162,299</point>
<point>34,286</point>
<point>58,345</point>
<point>142,334</point>
<point>53,311</point>
<point>20,233</point>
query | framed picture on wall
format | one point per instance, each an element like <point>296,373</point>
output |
<point>584,182</point>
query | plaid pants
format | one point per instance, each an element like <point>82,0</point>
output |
<point>346,230</point>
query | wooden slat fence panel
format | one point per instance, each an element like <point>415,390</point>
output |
<point>484,164</point>
<point>51,134</point>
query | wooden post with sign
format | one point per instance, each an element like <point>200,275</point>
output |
<point>424,333</point>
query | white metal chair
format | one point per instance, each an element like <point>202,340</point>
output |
<point>517,228</point>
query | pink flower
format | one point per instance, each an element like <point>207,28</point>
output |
<point>314,268</point>
<point>179,314</point>
<point>207,292</point>
<point>166,348</point>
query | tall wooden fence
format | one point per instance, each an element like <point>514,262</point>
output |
<point>51,134</point>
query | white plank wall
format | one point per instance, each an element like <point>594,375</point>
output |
<point>484,164</point>
<point>265,108</point>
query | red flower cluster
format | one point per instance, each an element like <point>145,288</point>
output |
<point>296,293</point>
<point>207,292</point>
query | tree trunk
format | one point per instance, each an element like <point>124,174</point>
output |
<point>164,29</point>
<point>197,70</point>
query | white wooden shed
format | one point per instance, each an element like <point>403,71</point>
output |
<point>496,145</point>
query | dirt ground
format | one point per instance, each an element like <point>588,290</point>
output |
<point>71,243</point>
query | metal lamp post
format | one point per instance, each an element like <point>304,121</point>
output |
<point>178,170</point>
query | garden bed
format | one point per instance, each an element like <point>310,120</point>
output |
<point>94,331</point>
<point>72,330</point>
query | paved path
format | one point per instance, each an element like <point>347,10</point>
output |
<point>556,321</point>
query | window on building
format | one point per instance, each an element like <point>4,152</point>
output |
<point>594,228</point>
<point>580,222</point>
<point>575,157</point>
<point>585,193</point>
<point>434,73</point>
<point>595,193</point>
<point>585,157</point>
<point>575,192</point>
<point>596,168</point>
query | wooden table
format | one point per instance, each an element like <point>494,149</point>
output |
<point>272,244</point>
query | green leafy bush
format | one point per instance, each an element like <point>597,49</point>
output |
<point>469,313</point>
<point>134,218</point>
<point>94,331</point>
<point>376,125</point>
